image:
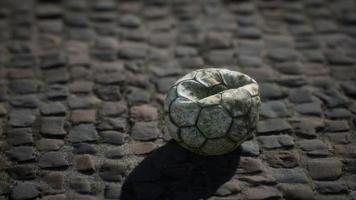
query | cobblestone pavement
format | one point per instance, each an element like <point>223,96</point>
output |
<point>82,85</point>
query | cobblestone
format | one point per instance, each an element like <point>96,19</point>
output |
<point>83,83</point>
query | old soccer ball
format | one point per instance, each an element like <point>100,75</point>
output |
<point>212,111</point>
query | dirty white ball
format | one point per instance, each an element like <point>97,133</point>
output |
<point>212,111</point>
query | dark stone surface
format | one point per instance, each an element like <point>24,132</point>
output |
<point>53,160</point>
<point>316,166</point>
<point>25,190</point>
<point>82,87</point>
<point>83,133</point>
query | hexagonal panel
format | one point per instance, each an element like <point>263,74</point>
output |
<point>214,121</point>
<point>171,128</point>
<point>217,89</point>
<point>184,112</point>
<point>192,90</point>
<point>192,137</point>
<point>208,78</point>
<point>210,100</point>
<point>218,146</point>
<point>189,76</point>
<point>239,128</point>
<point>172,94</point>
<point>236,101</point>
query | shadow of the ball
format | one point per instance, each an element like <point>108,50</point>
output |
<point>172,172</point>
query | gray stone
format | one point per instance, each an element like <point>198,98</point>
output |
<point>145,131</point>
<point>339,138</point>
<point>250,148</point>
<point>313,108</point>
<point>276,141</point>
<point>249,165</point>
<point>80,185</point>
<point>55,180</point>
<point>349,88</point>
<point>332,98</point>
<point>22,172</point>
<point>83,148</point>
<point>294,175</point>
<point>56,91</point>
<point>185,51</point>
<point>261,192</point>
<point>57,76</point>
<point>116,153</point>
<point>337,125</point>
<point>221,57</point>
<point>285,159</point>
<point>109,92</point>
<point>114,123</point>
<point>274,109</point>
<point>45,144</point>
<point>55,108</point>
<point>338,113</point>
<point>53,160</point>
<point>249,32</point>
<point>272,91</point>
<point>138,95</point>
<point>23,191</point>
<point>330,187</point>
<point>52,59</point>
<point>113,108</point>
<point>83,133</point>
<point>22,153</point>
<point>218,40</point>
<point>302,95</point>
<point>110,77</point>
<point>113,137</point>
<point>144,113</point>
<point>296,191</point>
<point>23,86</point>
<point>314,147</point>
<point>332,197</point>
<point>84,163</point>
<point>289,68</point>
<point>164,83</point>
<point>112,171</point>
<point>19,136</point>
<point>53,126</point>
<point>25,101</point>
<point>21,118</point>
<point>282,55</point>
<point>273,125</point>
<point>76,102</point>
<point>132,51</point>
<point>316,168</point>
<point>228,188</point>
<point>113,191</point>
<point>305,129</point>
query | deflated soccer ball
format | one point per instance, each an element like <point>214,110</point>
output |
<point>212,111</point>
